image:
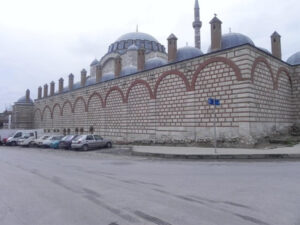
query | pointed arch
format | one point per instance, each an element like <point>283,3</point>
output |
<point>56,105</point>
<point>115,88</point>
<point>224,60</point>
<point>171,72</point>
<point>91,96</point>
<point>46,107</point>
<point>66,103</point>
<point>139,82</point>
<point>282,70</point>
<point>37,111</point>
<point>80,98</point>
<point>258,60</point>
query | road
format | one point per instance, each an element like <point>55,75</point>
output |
<point>53,187</point>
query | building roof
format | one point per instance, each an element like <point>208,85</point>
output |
<point>294,59</point>
<point>136,36</point>
<point>155,62</point>
<point>22,100</point>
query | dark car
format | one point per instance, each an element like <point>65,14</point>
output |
<point>66,142</point>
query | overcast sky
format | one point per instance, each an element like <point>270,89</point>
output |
<point>43,40</point>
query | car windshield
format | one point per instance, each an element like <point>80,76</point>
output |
<point>44,137</point>
<point>78,138</point>
<point>56,138</point>
<point>68,138</point>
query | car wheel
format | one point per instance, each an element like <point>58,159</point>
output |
<point>31,144</point>
<point>108,145</point>
<point>85,148</point>
<point>13,143</point>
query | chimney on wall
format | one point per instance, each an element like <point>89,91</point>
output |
<point>83,78</point>
<point>27,95</point>
<point>141,59</point>
<point>118,66</point>
<point>60,85</point>
<point>45,90</point>
<point>71,81</point>
<point>216,34</point>
<point>52,88</point>
<point>172,47</point>
<point>40,92</point>
<point>276,45</point>
<point>98,73</point>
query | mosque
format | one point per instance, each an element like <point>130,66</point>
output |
<point>142,92</point>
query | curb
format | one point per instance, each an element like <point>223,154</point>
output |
<point>241,156</point>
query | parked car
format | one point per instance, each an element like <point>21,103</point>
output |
<point>38,142</point>
<point>55,143</point>
<point>26,141</point>
<point>66,142</point>
<point>47,142</point>
<point>86,142</point>
<point>13,140</point>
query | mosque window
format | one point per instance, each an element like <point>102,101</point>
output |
<point>154,46</point>
<point>148,45</point>
<point>64,131</point>
<point>121,45</point>
<point>115,46</point>
<point>91,130</point>
<point>130,42</point>
<point>69,131</point>
<point>76,131</point>
<point>81,130</point>
<point>110,48</point>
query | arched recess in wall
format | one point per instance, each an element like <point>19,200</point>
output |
<point>263,88</point>
<point>173,74</point>
<point>137,83</point>
<point>258,61</point>
<point>80,113</point>
<point>37,118</point>
<point>139,111</point>
<point>57,116</point>
<point>67,116</point>
<point>95,114</point>
<point>47,117</point>
<point>171,106</point>
<point>214,78</point>
<point>115,113</point>
<point>284,97</point>
<point>217,60</point>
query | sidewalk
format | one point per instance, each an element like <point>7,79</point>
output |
<point>222,153</point>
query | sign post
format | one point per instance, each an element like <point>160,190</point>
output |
<point>215,102</point>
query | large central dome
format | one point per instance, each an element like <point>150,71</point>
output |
<point>136,40</point>
<point>136,36</point>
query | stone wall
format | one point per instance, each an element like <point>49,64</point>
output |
<point>22,116</point>
<point>169,104</point>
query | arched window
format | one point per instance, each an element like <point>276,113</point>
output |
<point>81,130</point>
<point>65,131</point>
<point>76,131</point>
<point>69,131</point>
<point>91,130</point>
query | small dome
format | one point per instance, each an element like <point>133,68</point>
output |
<point>95,62</point>
<point>133,47</point>
<point>22,100</point>
<point>108,76</point>
<point>128,70</point>
<point>136,36</point>
<point>90,81</point>
<point>265,50</point>
<point>294,59</point>
<point>231,40</point>
<point>155,62</point>
<point>187,53</point>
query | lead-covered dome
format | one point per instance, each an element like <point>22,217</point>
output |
<point>23,100</point>
<point>294,59</point>
<point>187,53</point>
<point>138,39</point>
<point>231,40</point>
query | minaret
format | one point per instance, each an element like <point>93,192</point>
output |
<point>197,24</point>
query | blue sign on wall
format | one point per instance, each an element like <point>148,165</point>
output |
<point>214,101</point>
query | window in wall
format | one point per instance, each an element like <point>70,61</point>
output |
<point>81,130</point>
<point>76,131</point>
<point>65,131</point>
<point>92,130</point>
<point>69,131</point>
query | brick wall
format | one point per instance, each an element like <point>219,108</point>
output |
<point>169,104</point>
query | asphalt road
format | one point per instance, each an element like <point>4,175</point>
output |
<point>43,187</point>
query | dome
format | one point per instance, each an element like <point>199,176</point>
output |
<point>107,77</point>
<point>136,36</point>
<point>231,40</point>
<point>128,70</point>
<point>187,53</point>
<point>155,62</point>
<point>90,81</point>
<point>95,62</point>
<point>133,47</point>
<point>22,100</point>
<point>294,59</point>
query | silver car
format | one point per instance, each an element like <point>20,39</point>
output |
<point>86,142</point>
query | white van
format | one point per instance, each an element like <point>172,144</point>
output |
<point>13,140</point>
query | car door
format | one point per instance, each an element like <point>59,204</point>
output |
<point>90,141</point>
<point>99,141</point>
